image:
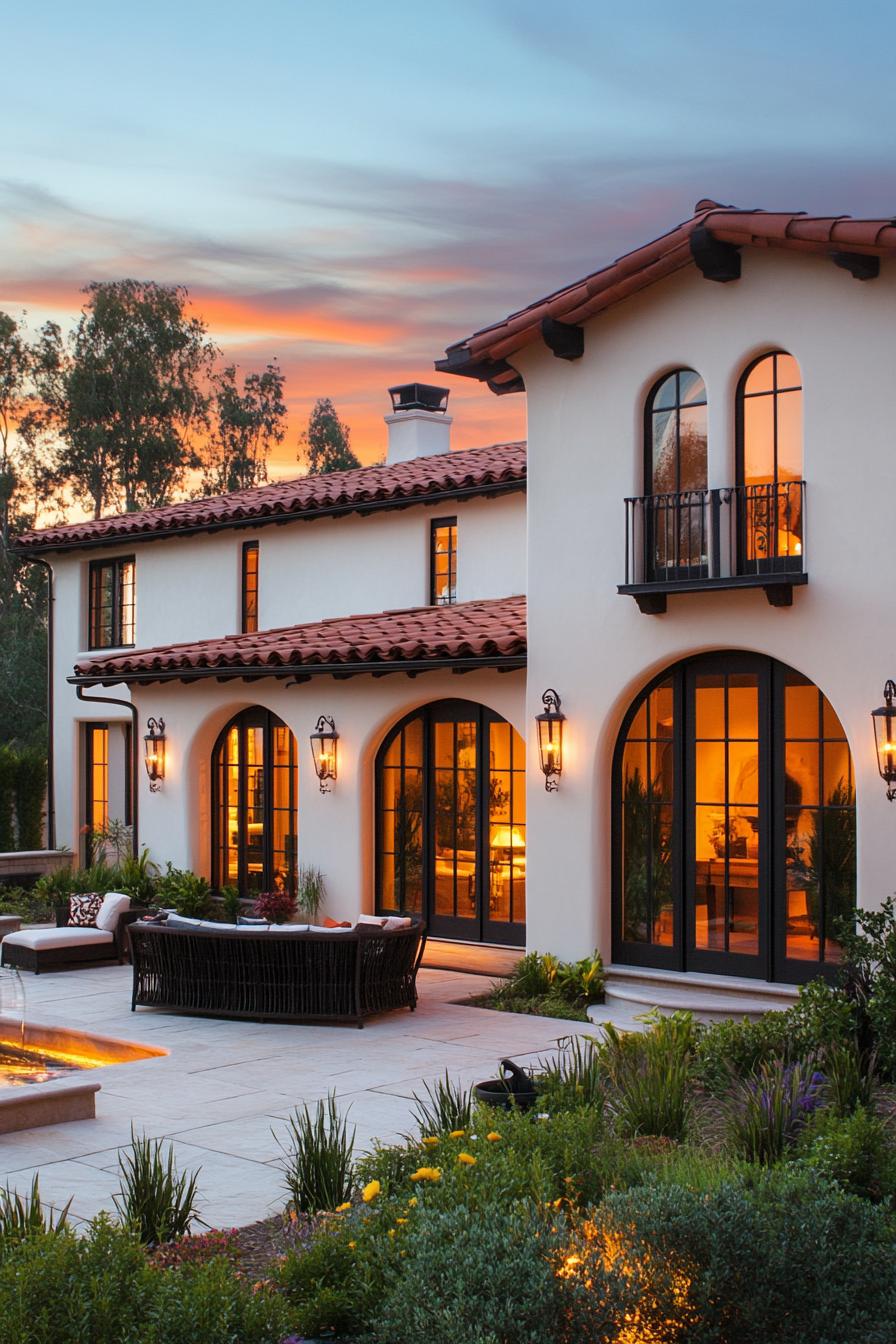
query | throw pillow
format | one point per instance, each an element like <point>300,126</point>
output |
<point>84,908</point>
<point>114,905</point>
<point>336,923</point>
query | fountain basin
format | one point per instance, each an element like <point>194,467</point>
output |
<point>41,1067</point>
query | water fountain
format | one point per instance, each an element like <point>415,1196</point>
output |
<point>34,1059</point>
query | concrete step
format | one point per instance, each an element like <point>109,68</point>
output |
<point>711,998</point>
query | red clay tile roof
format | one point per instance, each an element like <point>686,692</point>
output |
<point>470,634</point>
<point>447,476</point>
<point>484,355</point>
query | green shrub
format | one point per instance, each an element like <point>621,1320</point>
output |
<point>649,1074</point>
<point>30,793</point>
<point>7,798</point>
<point>187,893</point>
<point>137,877</point>
<point>850,1077</point>
<point>582,980</point>
<point>483,1280</point>
<point>209,1304</point>
<point>318,1157</point>
<point>766,1113</point>
<point>155,1202</point>
<point>444,1106</point>
<point>541,984</point>
<point>30,905</point>
<point>390,1164</point>
<point>853,1150</point>
<point>790,1259</point>
<point>66,1289</point>
<point>329,1286</point>
<point>231,904</point>
<point>869,978</point>
<point>573,1078</point>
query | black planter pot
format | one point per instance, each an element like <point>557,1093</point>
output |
<point>515,1088</point>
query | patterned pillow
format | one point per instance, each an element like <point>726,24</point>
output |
<point>84,908</point>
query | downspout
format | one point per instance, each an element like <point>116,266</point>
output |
<point>135,777</point>
<point>51,782</point>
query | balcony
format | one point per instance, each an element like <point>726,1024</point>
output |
<point>698,540</point>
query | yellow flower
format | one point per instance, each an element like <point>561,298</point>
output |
<point>457,1133</point>
<point>426,1174</point>
<point>293,1216</point>
<point>467,1159</point>
<point>493,1137</point>
<point>391,1231</point>
<point>341,1208</point>
<point>370,1192</point>
<point>402,1221</point>
<point>412,1202</point>
<point>352,1245</point>
<point>430,1141</point>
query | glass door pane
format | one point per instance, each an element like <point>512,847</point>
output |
<point>725,908</point>
<point>455,826</point>
<point>506,915</point>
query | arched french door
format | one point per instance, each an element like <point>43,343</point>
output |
<point>734,847</point>
<point>254,804</point>
<point>451,823</point>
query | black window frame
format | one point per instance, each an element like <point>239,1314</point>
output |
<point>248,548</point>
<point>771,962</point>
<point>91,728</point>
<point>790,562</point>
<point>253,717</point>
<point>114,564</point>
<point>678,511</point>
<point>434,526</point>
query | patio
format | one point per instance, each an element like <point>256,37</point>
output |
<point>225,1084</point>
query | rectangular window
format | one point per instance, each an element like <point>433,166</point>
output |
<point>443,562</point>
<point>250,588</point>
<point>96,783</point>
<point>111,602</point>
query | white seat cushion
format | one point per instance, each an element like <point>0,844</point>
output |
<point>69,936</point>
<point>114,905</point>
<point>323,928</point>
<point>373,919</point>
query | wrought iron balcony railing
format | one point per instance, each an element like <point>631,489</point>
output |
<point>736,536</point>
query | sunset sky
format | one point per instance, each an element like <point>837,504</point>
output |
<point>351,186</point>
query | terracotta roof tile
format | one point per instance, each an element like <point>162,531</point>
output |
<point>445,476</point>
<point>486,633</point>
<point>484,355</point>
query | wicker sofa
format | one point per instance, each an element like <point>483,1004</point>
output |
<point>277,973</point>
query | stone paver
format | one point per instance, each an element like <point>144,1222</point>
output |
<point>224,1086</point>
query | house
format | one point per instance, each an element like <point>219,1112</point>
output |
<point>700,529</point>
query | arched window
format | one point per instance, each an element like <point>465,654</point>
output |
<point>675,475</point>
<point>770,463</point>
<point>734,822</point>
<point>254,804</point>
<point>451,822</point>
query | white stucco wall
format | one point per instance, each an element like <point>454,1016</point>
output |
<point>335,830</point>
<point>585,455</point>
<point>189,589</point>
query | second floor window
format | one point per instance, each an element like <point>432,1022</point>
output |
<point>111,602</point>
<point>250,588</point>
<point>675,471</point>
<point>770,462</point>
<point>443,562</point>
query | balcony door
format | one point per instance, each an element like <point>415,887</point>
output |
<point>675,472</point>
<point>451,823</point>
<point>770,465</point>
<point>734,823</point>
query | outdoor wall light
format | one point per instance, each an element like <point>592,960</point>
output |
<point>323,749</point>
<point>550,739</point>
<point>884,720</point>
<point>154,753</point>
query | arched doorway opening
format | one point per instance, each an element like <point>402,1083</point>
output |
<point>734,843</point>
<point>254,804</point>
<point>451,823</point>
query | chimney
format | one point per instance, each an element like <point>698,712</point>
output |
<point>419,425</point>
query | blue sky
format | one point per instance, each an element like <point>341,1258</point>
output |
<point>351,187</point>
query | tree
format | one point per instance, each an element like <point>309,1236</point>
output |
<point>123,396</point>
<point>23,672</point>
<point>245,427</point>
<point>326,441</point>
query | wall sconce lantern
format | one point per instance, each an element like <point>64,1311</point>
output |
<point>884,720</point>
<point>323,749</point>
<point>154,753</point>
<point>550,739</point>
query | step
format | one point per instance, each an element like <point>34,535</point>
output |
<point>711,998</point>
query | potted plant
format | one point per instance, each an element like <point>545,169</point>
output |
<point>277,907</point>
<point>311,893</point>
